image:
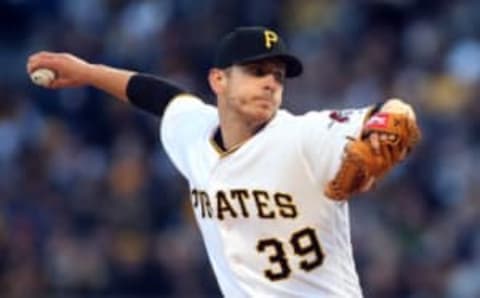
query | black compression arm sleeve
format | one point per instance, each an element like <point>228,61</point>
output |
<point>151,93</point>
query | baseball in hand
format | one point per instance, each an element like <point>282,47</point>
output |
<point>42,77</point>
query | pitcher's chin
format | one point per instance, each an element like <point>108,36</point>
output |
<point>260,116</point>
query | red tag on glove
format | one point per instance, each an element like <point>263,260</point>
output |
<point>379,120</point>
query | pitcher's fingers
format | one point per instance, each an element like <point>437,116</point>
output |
<point>60,83</point>
<point>40,60</point>
<point>43,55</point>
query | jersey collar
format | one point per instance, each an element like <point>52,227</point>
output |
<point>217,141</point>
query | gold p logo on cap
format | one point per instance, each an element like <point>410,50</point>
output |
<point>270,38</point>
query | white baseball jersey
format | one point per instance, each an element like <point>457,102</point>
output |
<point>268,228</point>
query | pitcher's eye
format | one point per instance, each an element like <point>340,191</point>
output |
<point>256,70</point>
<point>279,76</point>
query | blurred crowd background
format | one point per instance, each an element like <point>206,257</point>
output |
<point>90,206</point>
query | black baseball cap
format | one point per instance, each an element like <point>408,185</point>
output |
<point>250,44</point>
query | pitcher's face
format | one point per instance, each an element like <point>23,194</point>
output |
<point>253,91</point>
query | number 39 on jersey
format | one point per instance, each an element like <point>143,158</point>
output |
<point>305,245</point>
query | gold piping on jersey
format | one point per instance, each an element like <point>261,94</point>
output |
<point>235,147</point>
<point>222,152</point>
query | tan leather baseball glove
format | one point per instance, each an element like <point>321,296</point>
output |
<point>385,140</point>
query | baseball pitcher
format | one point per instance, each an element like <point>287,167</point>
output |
<point>269,189</point>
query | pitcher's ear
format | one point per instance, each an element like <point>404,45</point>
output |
<point>217,78</point>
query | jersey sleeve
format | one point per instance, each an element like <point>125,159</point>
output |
<point>183,126</point>
<point>323,138</point>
